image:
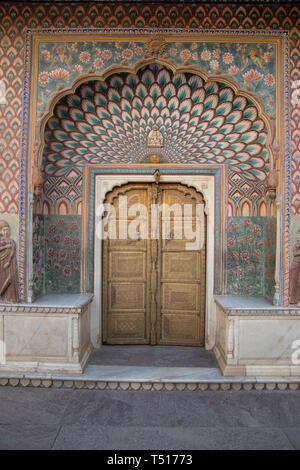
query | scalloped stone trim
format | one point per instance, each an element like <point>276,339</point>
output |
<point>147,386</point>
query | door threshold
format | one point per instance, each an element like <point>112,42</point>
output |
<point>149,378</point>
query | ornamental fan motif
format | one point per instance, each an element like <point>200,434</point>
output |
<point>201,122</point>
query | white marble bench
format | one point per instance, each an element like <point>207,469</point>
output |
<point>253,337</point>
<point>49,335</point>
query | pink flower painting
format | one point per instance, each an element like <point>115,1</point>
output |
<point>60,74</point>
<point>77,68</point>
<point>67,270</point>
<point>67,240</point>
<point>227,58</point>
<point>245,255</point>
<point>106,54</point>
<point>205,55</point>
<point>63,254</point>
<point>98,63</point>
<point>269,79</point>
<point>185,54</point>
<point>233,70</point>
<point>52,228</point>
<point>214,65</point>
<point>252,76</point>
<point>43,78</point>
<point>268,56</point>
<point>45,54</point>
<point>138,50</point>
<point>84,57</point>
<point>127,54</point>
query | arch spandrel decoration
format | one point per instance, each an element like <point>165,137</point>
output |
<point>182,62</point>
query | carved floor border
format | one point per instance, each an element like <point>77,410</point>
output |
<point>261,384</point>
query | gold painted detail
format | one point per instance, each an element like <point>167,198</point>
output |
<point>154,158</point>
<point>156,46</point>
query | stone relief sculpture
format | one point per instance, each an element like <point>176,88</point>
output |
<point>155,139</point>
<point>294,288</point>
<point>8,266</point>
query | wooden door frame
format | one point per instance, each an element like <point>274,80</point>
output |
<point>203,183</point>
<point>149,322</point>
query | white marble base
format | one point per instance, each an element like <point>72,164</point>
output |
<point>49,335</point>
<point>254,338</point>
<point>97,377</point>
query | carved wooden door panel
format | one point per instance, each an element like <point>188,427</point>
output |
<point>181,314</point>
<point>126,318</point>
<point>154,287</point>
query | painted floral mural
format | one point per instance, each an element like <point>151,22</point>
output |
<point>245,256</point>
<point>270,257</point>
<point>62,253</point>
<point>252,66</point>
<point>38,255</point>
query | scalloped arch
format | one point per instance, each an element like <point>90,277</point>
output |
<point>202,121</point>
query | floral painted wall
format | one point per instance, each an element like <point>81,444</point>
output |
<point>251,65</point>
<point>270,257</point>
<point>38,240</point>
<point>62,254</point>
<point>251,256</point>
<point>56,254</point>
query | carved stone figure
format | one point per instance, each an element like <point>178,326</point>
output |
<point>8,266</point>
<point>155,139</point>
<point>294,287</point>
<point>272,182</point>
<point>37,181</point>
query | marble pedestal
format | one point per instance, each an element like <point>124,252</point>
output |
<point>51,335</point>
<point>254,338</point>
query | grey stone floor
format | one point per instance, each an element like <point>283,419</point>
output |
<point>37,418</point>
<point>158,356</point>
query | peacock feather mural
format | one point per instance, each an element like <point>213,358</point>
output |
<point>200,121</point>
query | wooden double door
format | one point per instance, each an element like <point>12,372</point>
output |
<point>153,286</point>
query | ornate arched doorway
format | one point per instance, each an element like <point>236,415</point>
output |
<point>200,123</point>
<point>154,265</point>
